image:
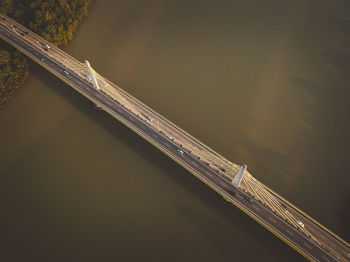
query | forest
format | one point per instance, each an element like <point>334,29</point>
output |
<point>54,20</point>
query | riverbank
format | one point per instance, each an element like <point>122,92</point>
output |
<point>56,21</point>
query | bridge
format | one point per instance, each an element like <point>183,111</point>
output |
<point>233,182</point>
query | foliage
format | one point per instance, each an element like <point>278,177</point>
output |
<point>54,20</point>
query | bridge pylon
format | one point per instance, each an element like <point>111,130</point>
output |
<point>236,181</point>
<point>92,75</point>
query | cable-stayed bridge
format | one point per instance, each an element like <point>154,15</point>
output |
<point>233,182</point>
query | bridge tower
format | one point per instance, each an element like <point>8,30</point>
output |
<point>236,181</point>
<point>92,75</point>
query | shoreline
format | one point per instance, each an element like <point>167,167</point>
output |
<point>12,91</point>
<point>59,27</point>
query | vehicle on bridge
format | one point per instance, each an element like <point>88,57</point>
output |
<point>180,151</point>
<point>284,207</point>
<point>249,199</point>
<point>300,223</point>
<point>24,33</point>
<point>43,45</point>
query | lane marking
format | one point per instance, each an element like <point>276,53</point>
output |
<point>290,232</point>
<point>194,163</point>
<point>333,244</point>
<point>326,258</point>
<point>255,207</point>
<point>321,236</point>
<point>307,245</point>
<point>272,219</point>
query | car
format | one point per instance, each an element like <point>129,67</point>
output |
<point>249,199</point>
<point>66,72</point>
<point>300,223</point>
<point>43,45</point>
<point>284,207</point>
<point>149,118</point>
<point>42,59</point>
<point>180,151</point>
<point>86,76</point>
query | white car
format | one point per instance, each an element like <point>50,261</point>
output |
<point>300,223</point>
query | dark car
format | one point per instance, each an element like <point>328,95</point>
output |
<point>249,199</point>
<point>284,207</point>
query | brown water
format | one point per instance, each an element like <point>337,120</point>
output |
<point>265,83</point>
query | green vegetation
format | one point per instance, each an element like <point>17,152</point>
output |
<point>54,20</point>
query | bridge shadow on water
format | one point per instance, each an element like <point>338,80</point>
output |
<point>219,234</point>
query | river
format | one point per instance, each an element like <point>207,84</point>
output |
<point>265,83</point>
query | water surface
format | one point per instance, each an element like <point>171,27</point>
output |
<point>262,82</point>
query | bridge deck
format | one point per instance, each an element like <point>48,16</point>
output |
<point>283,219</point>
